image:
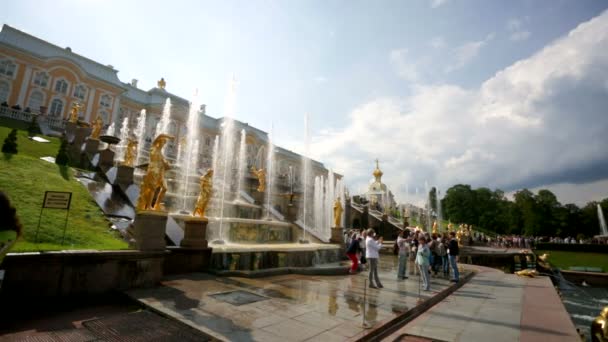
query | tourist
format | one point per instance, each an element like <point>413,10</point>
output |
<point>351,252</point>
<point>362,239</point>
<point>443,255</point>
<point>412,258</point>
<point>422,260</point>
<point>403,254</point>
<point>453,256</point>
<point>372,253</point>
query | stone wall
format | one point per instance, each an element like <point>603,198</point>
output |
<point>50,274</point>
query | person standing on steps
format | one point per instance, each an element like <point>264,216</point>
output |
<point>453,252</point>
<point>372,254</point>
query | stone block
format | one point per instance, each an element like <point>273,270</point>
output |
<point>148,230</point>
<point>124,175</point>
<point>195,232</point>
<point>106,158</point>
<point>91,146</point>
<point>337,235</point>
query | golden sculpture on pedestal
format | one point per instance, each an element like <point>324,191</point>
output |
<point>130,153</point>
<point>450,227</point>
<point>338,212</point>
<point>74,112</point>
<point>205,195</point>
<point>599,327</point>
<point>161,83</point>
<point>153,187</point>
<point>261,175</point>
<point>97,126</point>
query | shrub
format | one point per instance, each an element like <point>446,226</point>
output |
<point>33,128</point>
<point>62,157</point>
<point>10,143</point>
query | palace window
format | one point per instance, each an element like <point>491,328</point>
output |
<point>105,117</point>
<point>5,89</point>
<point>80,92</point>
<point>61,87</point>
<point>35,101</point>
<point>41,79</point>
<point>106,101</point>
<point>7,68</point>
<point>56,107</point>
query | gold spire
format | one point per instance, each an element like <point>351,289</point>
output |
<point>377,172</point>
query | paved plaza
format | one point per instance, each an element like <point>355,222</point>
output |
<point>286,307</point>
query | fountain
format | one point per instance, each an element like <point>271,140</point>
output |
<point>110,130</point>
<point>269,175</point>
<point>305,179</point>
<point>242,164</point>
<point>140,134</point>
<point>124,135</point>
<point>438,205</point>
<point>600,217</point>
<point>189,151</point>
<point>163,124</point>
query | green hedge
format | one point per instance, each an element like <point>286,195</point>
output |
<point>572,247</point>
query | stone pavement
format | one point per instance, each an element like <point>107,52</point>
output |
<point>286,307</point>
<point>495,306</point>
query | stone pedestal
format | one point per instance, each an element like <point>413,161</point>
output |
<point>106,158</point>
<point>91,146</point>
<point>337,235</point>
<point>195,232</point>
<point>291,214</point>
<point>81,134</point>
<point>148,230</point>
<point>124,175</point>
<point>70,131</point>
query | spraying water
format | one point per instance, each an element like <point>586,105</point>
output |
<point>189,152</point>
<point>438,205</point>
<point>269,173</point>
<point>140,133</point>
<point>124,136</point>
<point>242,164</point>
<point>305,176</point>
<point>216,153</point>
<point>110,130</point>
<point>427,203</point>
<point>163,124</point>
<point>600,216</point>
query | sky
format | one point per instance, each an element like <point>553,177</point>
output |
<point>500,94</point>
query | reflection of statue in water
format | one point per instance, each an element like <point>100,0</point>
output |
<point>261,175</point>
<point>338,212</point>
<point>74,112</point>
<point>205,194</point>
<point>97,126</point>
<point>599,327</point>
<point>130,153</point>
<point>153,185</point>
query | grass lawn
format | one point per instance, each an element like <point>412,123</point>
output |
<point>564,260</point>
<point>25,178</point>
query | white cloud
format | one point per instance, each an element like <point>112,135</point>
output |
<point>437,3</point>
<point>466,52</point>
<point>320,79</point>
<point>539,121</point>
<point>405,67</point>
<point>437,43</point>
<point>516,29</point>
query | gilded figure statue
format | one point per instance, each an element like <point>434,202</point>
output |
<point>153,185</point>
<point>599,327</point>
<point>434,227</point>
<point>97,126</point>
<point>130,153</point>
<point>338,212</point>
<point>161,83</point>
<point>206,183</point>
<point>74,112</point>
<point>261,175</point>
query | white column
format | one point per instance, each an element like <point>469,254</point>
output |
<point>26,80</point>
<point>87,116</point>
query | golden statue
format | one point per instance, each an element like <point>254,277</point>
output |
<point>530,273</point>
<point>205,195</point>
<point>450,227</point>
<point>74,112</point>
<point>130,153</point>
<point>261,175</point>
<point>161,84</point>
<point>599,327</point>
<point>434,227</point>
<point>97,126</point>
<point>153,187</point>
<point>338,212</point>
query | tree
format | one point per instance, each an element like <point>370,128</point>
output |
<point>33,128</point>
<point>459,204</point>
<point>62,157</point>
<point>10,142</point>
<point>433,199</point>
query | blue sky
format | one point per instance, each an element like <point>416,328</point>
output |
<point>343,62</point>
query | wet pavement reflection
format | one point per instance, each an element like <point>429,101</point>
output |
<point>298,307</point>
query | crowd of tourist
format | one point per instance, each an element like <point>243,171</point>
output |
<point>421,253</point>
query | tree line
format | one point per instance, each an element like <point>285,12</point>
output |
<point>530,214</point>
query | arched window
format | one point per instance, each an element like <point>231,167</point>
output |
<point>7,68</point>
<point>61,87</point>
<point>41,79</point>
<point>56,108</point>
<point>5,89</point>
<point>106,101</point>
<point>80,92</point>
<point>36,99</point>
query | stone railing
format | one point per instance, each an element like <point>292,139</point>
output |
<point>55,123</point>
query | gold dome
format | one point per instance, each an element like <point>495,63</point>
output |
<point>377,172</point>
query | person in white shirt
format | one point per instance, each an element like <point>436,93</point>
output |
<point>372,254</point>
